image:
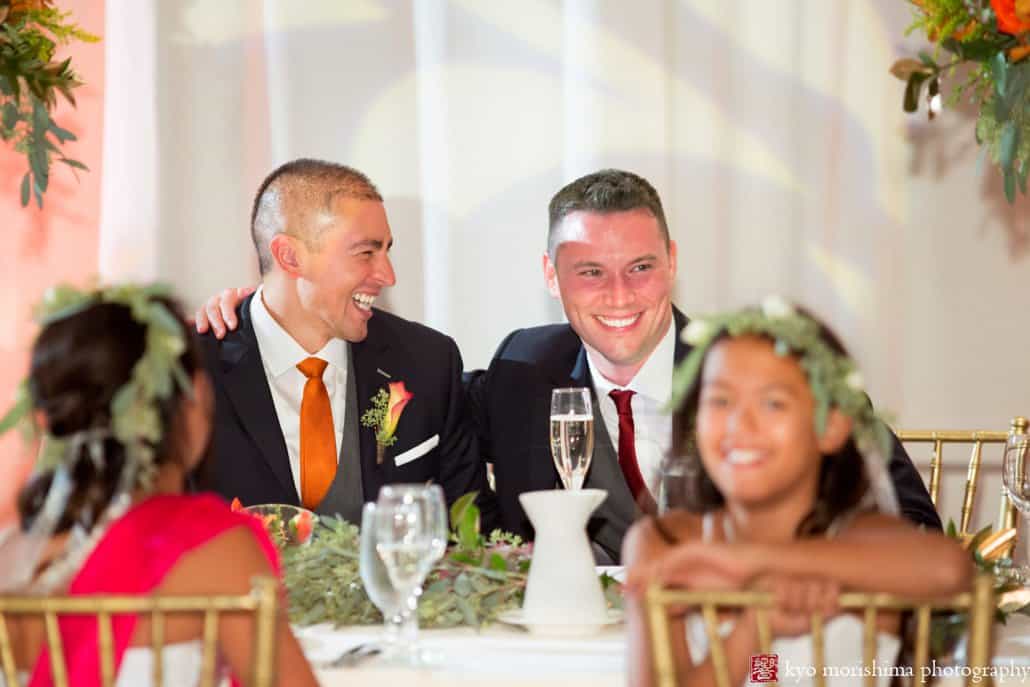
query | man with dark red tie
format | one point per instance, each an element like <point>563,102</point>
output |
<point>612,264</point>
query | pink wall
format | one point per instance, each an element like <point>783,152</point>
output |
<point>58,243</point>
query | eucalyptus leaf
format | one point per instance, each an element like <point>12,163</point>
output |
<point>26,188</point>
<point>999,72</point>
<point>1007,145</point>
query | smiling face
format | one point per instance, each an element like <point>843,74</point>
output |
<point>614,275</point>
<point>755,426</point>
<point>348,265</point>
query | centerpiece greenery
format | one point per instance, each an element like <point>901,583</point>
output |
<point>477,579</point>
<point>993,37</point>
<point>31,78</point>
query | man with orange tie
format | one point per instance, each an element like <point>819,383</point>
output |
<point>321,398</point>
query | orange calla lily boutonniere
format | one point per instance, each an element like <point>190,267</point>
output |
<point>384,415</point>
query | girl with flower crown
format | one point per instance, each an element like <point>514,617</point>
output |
<point>118,386</point>
<point>787,492</point>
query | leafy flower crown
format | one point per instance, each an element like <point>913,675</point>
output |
<point>834,378</point>
<point>135,407</point>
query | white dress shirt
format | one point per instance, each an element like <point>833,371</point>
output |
<point>652,425</point>
<point>280,354</point>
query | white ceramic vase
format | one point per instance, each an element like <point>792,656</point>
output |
<point>563,587</point>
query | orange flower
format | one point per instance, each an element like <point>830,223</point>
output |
<point>1013,15</point>
<point>399,397</point>
<point>236,506</point>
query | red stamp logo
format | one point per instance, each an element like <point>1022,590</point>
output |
<point>764,668</point>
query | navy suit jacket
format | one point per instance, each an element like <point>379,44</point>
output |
<point>249,455</point>
<point>510,402</point>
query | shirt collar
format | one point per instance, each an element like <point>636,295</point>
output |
<point>654,379</point>
<point>280,352</point>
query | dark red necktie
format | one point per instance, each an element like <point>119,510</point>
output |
<point>627,443</point>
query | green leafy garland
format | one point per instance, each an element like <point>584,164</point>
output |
<point>476,580</point>
<point>991,35</point>
<point>30,81</point>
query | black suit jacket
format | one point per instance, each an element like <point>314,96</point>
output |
<point>511,404</point>
<point>249,455</point>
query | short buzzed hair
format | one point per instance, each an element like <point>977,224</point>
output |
<point>293,190</point>
<point>605,191</point>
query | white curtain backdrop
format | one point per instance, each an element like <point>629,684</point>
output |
<point>772,131</point>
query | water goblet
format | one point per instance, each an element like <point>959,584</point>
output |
<point>376,580</point>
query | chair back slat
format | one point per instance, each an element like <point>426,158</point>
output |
<point>7,653</point>
<point>869,643</point>
<point>972,480</point>
<point>764,630</point>
<point>262,602</point>
<point>979,604</point>
<point>58,668</point>
<point>157,644</point>
<point>818,649</point>
<point>105,644</point>
<point>208,664</point>
<point>722,670</point>
<point>935,472</point>
<point>266,593</point>
<point>921,654</point>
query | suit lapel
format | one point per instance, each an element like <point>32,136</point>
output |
<point>247,388</point>
<point>370,362</point>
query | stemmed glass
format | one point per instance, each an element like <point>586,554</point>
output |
<point>376,580</point>
<point>672,482</point>
<point>1015,469</point>
<point>411,535</point>
<point>572,434</point>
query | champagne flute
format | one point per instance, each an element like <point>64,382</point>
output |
<point>376,580</point>
<point>572,434</point>
<point>672,482</point>
<point>409,540</point>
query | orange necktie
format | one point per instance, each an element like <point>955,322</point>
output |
<point>317,436</point>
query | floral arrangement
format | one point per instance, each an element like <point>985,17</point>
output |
<point>990,553</point>
<point>384,415</point>
<point>993,37</point>
<point>30,81</point>
<point>477,579</point>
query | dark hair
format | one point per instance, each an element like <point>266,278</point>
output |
<point>78,364</point>
<point>605,191</point>
<point>333,180</point>
<point>842,477</point>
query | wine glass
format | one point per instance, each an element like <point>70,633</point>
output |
<point>1015,469</point>
<point>572,434</point>
<point>376,580</point>
<point>672,482</point>
<point>411,535</point>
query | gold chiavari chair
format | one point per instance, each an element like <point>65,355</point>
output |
<point>1007,512</point>
<point>262,601</point>
<point>979,603</point>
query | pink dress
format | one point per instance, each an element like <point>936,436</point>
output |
<point>133,557</point>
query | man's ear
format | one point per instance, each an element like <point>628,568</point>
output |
<point>286,251</point>
<point>672,257</point>
<point>838,429</point>
<point>551,276</point>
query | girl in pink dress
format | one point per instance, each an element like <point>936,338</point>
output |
<point>118,387</point>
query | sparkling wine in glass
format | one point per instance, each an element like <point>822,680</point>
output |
<point>572,434</point>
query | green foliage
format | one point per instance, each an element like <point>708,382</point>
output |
<point>477,579</point>
<point>375,417</point>
<point>999,84</point>
<point>30,82</point>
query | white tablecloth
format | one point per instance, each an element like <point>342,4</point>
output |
<point>499,656</point>
<point>502,656</point>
